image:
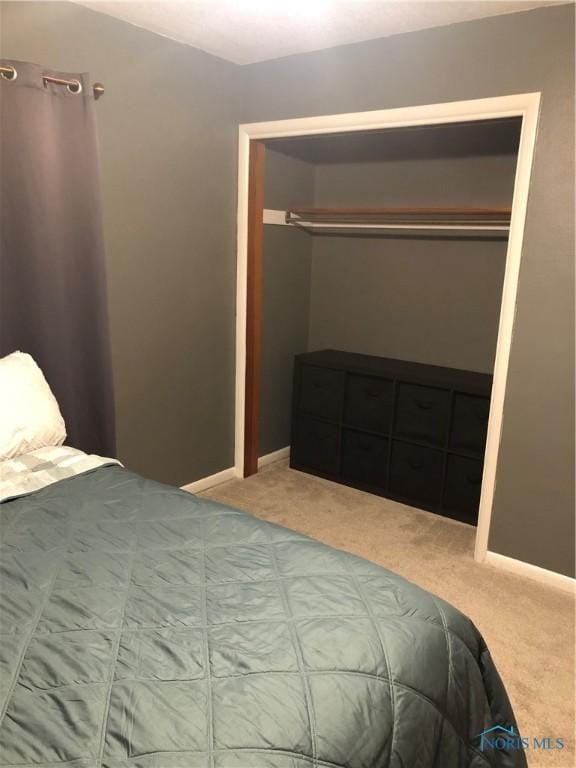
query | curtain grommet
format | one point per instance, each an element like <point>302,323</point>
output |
<point>75,87</point>
<point>9,73</point>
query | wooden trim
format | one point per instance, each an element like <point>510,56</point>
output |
<point>399,217</point>
<point>254,306</point>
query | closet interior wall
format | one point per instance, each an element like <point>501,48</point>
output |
<point>421,296</point>
<point>428,296</point>
<point>286,271</point>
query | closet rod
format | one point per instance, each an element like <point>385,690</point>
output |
<point>444,227</point>
<point>270,216</point>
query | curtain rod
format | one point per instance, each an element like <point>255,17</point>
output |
<point>73,86</point>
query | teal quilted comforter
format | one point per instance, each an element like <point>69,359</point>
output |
<point>143,627</point>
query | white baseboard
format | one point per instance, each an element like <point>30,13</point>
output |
<point>529,571</point>
<point>209,482</point>
<point>232,473</point>
<point>270,458</point>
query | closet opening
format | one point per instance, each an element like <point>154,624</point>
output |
<point>377,273</point>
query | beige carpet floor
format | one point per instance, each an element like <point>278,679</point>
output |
<point>529,628</point>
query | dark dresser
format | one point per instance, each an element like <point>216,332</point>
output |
<point>414,433</point>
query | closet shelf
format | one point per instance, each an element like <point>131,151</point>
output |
<point>400,218</point>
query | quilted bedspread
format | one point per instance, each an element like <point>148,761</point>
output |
<point>144,627</point>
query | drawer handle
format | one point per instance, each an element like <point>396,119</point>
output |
<point>424,405</point>
<point>365,447</point>
<point>414,463</point>
<point>373,393</point>
<point>474,479</point>
<point>318,385</point>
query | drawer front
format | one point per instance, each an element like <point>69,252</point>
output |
<point>321,392</point>
<point>462,492</point>
<point>416,473</point>
<point>469,424</point>
<point>369,403</point>
<point>364,458</point>
<point>316,446</point>
<point>423,413</point>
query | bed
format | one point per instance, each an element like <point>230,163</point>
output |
<point>143,626</point>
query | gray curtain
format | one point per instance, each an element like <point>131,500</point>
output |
<point>52,281</point>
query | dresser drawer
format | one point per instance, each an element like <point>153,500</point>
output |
<point>409,431</point>
<point>462,492</point>
<point>321,392</point>
<point>315,446</point>
<point>369,403</point>
<point>364,458</point>
<point>416,473</point>
<point>469,424</point>
<point>423,413</point>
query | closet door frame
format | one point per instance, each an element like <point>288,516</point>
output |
<point>253,351</point>
<point>249,259</point>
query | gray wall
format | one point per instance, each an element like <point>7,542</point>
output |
<point>167,128</point>
<point>168,140</point>
<point>533,517</point>
<point>287,256</point>
<point>430,298</point>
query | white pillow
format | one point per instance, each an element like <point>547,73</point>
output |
<point>29,414</point>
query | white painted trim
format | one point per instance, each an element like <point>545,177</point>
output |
<point>270,216</point>
<point>529,571</point>
<point>241,297</point>
<point>524,105</point>
<point>494,108</point>
<point>272,458</point>
<point>231,474</point>
<point>211,481</point>
<point>506,322</point>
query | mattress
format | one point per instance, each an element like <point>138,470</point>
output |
<point>143,626</point>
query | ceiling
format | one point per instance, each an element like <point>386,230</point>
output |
<point>247,31</point>
<point>491,137</point>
